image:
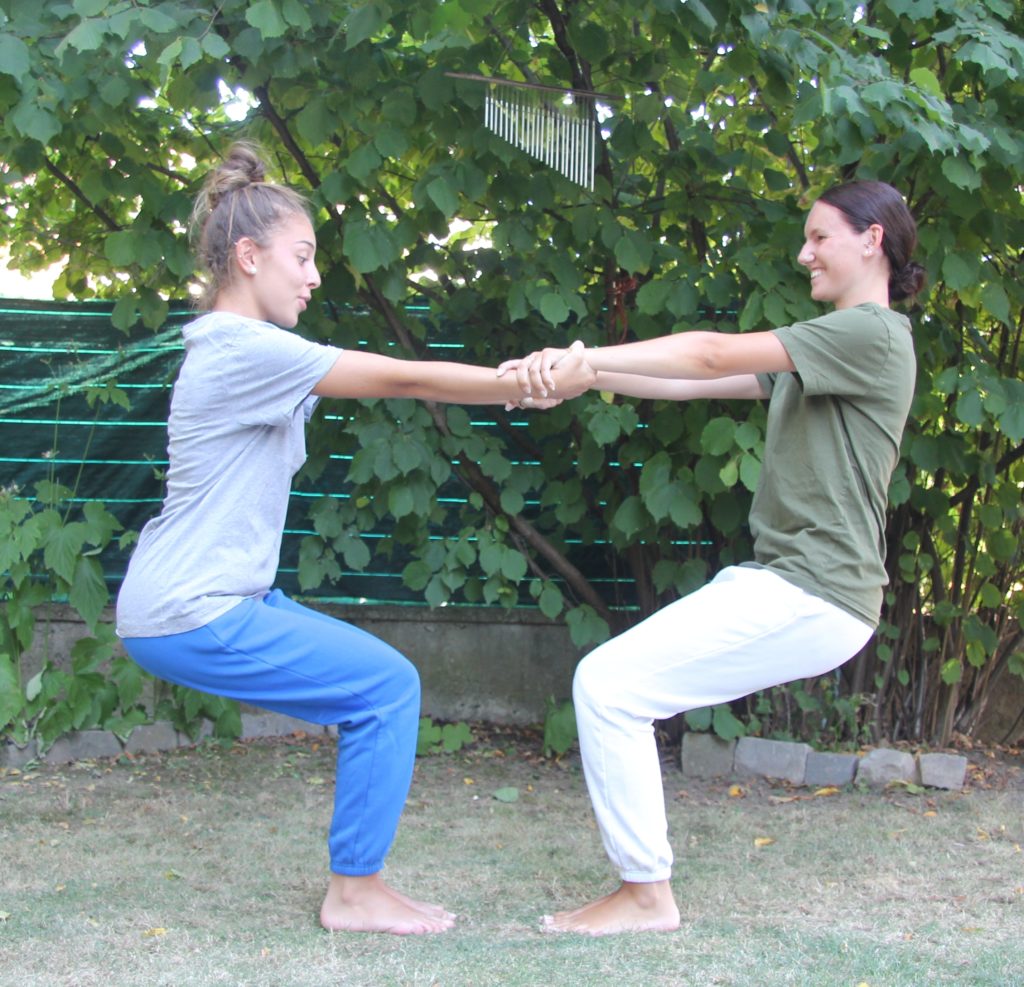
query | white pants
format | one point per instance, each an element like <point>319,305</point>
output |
<point>746,630</point>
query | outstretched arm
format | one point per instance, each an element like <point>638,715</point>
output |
<point>639,386</point>
<point>695,356</point>
<point>356,374</point>
<point>723,364</point>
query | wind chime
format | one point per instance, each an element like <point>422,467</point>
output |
<point>555,126</point>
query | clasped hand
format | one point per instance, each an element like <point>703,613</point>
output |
<point>550,376</point>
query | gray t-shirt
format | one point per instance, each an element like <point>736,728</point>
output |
<point>236,437</point>
<point>832,442</point>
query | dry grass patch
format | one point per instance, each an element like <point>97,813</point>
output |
<point>206,866</point>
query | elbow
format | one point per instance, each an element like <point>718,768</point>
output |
<point>711,357</point>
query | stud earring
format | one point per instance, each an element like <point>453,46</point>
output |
<point>252,270</point>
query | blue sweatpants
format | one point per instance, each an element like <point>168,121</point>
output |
<point>279,655</point>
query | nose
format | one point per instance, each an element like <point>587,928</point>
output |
<point>314,278</point>
<point>806,255</point>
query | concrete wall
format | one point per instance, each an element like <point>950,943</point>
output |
<point>486,663</point>
<point>477,663</point>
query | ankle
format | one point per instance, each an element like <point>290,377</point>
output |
<point>648,894</point>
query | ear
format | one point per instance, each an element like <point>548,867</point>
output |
<point>246,251</point>
<point>876,233</point>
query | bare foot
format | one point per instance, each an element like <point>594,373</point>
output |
<point>428,908</point>
<point>632,908</point>
<point>367,904</point>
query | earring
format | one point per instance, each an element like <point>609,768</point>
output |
<point>252,270</point>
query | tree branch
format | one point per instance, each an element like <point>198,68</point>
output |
<point>70,184</point>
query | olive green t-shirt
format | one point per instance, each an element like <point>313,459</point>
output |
<point>832,442</point>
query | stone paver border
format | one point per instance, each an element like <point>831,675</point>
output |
<point>703,755</point>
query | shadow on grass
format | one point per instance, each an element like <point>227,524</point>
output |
<point>207,866</point>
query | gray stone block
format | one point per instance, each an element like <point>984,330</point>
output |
<point>706,756</point>
<point>771,759</point>
<point>274,725</point>
<point>826,768</point>
<point>152,737</point>
<point>942,770</point>
<point>13,756</point>
<point>83,745</point>
<point>880,767</point>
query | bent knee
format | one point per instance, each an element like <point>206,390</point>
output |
<point>594,683</point>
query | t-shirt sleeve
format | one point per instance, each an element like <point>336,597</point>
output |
<point>273,373</point>
<point>842,354</point>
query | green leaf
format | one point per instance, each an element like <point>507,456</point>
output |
<point>1011,422</point>
<point>87,35</point>
<point>401,501</point>
<point>995,299</point>
<point>551,601</point>
<point>11,701</point>
<point>429,736</point>
<point>969,408</point>
<point>927,81</point>
<point>509,794</point>
<point>315,122</point>
<point>265,17</point>
<point>959,272</point>
<point>455,736</point>
<point>951,671</point>
<point>698,719</point>
<point>14,56</point>
<point>684,510</point>
<point>630,517</point>
<point>725,725</point>
<point>560,731</point>
<point>156,21</point>
<point>553,308</point>
<point>364,22</point>
<point>63,547</point>
<point>633,251</point>
<point>88,593</point>
<point>718,436</point>
<point>512,501</point>
<point>961,173</point>
<point>444,195</point>
<point>750,471</point>
<point>295,13</point>
<point>34,122</point>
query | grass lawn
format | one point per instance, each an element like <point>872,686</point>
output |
<point>207,866</point>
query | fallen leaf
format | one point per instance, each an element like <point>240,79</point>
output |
<point>314,780</point>
<point>468,781</point>
<point>510,794</point>
<point>930,813</point>
<point>736,792</point>
<point>763,841</point>
<point>158,931</point>
<point>4,916</point>
<point>827,790</point>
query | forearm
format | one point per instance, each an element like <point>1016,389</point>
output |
<point>357,374</point>
<point>455,383</point>
<point>672,389</point>
<point>695,356</point>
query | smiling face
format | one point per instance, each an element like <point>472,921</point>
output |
<point>846,267</point>
<point>279,276</point>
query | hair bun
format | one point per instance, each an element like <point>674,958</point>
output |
<point>907,282</point>
<point>243,166</point>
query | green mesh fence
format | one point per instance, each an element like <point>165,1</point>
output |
<point>52,352</point>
